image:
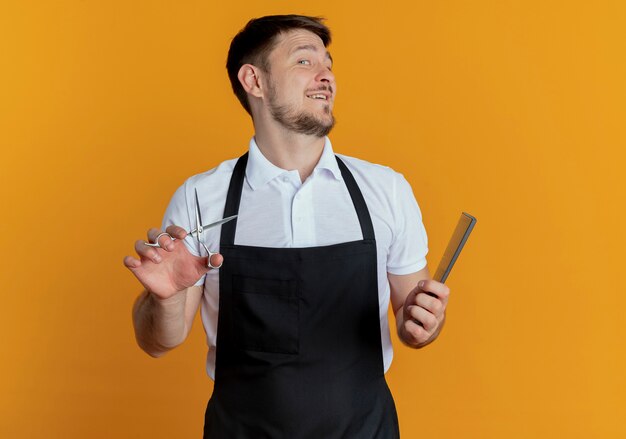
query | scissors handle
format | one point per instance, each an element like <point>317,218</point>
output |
<point>209,252</point>
<point>156,240</point>
<point>208,262</point>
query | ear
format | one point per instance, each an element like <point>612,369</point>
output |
<point>248,76</point>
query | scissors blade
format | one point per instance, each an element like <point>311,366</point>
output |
<point>198,216</point>
<point>214,224</point>
<point>220,222</point>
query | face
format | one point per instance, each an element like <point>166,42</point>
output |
<point>301,86</point>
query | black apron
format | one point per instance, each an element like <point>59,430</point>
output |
<point>299,350</point>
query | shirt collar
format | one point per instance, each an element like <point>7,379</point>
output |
<point>260,170</point>
<point>328,160</point>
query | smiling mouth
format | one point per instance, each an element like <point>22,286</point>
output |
<point>323,93</point>
<point>318,96</point>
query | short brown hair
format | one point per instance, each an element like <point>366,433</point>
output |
<point>255,41</point>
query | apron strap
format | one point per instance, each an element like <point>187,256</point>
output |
<point>367,229</point>
<point>233,199</point>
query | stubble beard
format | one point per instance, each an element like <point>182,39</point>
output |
<point>300,122</point>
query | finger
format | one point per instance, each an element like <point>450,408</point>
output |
<point>416,332</point>
<point>147,252</point>
<point>432,304</point>
<point>152,234</point>
<point>165,241</point>
<point>131,262</point>
<point>434,288</point>
<point>176,231</point>
<point>423,317</point>
<point>216,260</point>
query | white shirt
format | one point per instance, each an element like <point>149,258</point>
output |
<point>278,210</point>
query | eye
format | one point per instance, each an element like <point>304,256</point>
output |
<point>304,62</point>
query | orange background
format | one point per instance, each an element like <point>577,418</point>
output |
<point>512,111</point>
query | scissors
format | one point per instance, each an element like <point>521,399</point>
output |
<point>198,231</point>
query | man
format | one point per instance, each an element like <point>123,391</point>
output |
<point>296,315</point>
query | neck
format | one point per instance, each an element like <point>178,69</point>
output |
<point>289,150</point>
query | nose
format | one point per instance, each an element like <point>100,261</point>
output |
<point>326,75</point>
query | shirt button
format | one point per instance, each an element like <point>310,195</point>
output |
<point>285,179</point>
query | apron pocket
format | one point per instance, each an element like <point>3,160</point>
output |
<point>266,314</point>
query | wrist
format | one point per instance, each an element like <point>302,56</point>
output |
<point>168,301</point>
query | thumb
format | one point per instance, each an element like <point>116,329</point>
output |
<point>215,261</point>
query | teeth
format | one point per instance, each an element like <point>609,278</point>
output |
<point>318,97</point>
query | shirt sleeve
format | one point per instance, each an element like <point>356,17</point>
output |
<point>409,245</point>
<point>178,213</point>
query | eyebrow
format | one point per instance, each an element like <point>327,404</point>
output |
<point>310,47</point>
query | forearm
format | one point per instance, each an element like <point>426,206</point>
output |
<point>159,323</point>
<point>405,339</point>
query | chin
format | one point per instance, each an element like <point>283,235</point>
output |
<point>313,123</point>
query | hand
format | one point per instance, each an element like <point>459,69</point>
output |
<point>167,270</point>
<point>424,312</point>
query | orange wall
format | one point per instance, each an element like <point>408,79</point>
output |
<point>513,111</point>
